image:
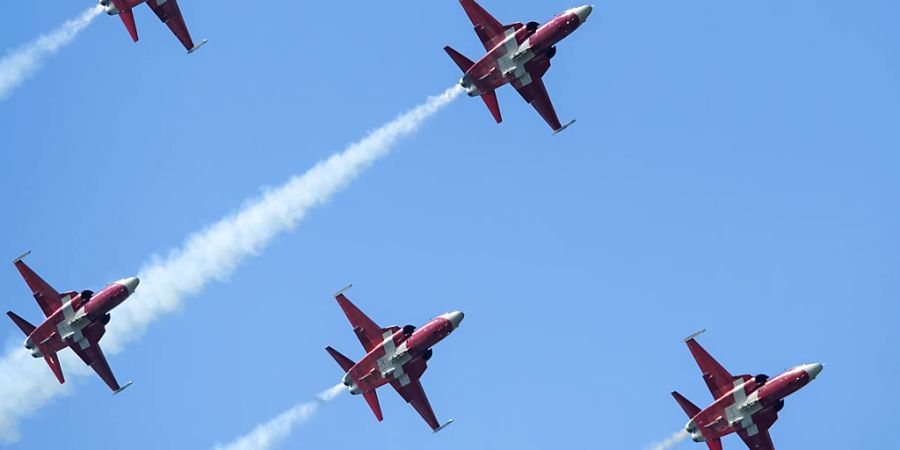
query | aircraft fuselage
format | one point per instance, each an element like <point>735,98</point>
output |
<point>752,404</point>
<point>402,353</point>
<point>81,315</point>
<point>520,51</point>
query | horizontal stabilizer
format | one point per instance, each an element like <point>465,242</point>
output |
<point>490,99</point>
<point>127,17</point>
<point>343,361</point>
<point>689,408</point>
<point>714,444</point>
<point>372,399</point>
<point>53,362</point>
<point>23,324</point>
<point>461,61</point>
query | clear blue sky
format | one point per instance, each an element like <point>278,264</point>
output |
<point>734,167</point>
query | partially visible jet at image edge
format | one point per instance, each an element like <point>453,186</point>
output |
<point>73,319</point>
<point>167,11</point>
<point>393,355</point>
<point>517,54</point>
<point>744,404</point>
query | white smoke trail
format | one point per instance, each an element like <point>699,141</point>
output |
<point>20,64</point>
<point>212,254</point>
<point>670,442</point>
<point>269,434</point>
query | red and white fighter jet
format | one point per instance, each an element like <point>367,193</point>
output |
<point>75,320</point>
<point>743,404</point>
<point>517,54</point>
<point>167,11</point>
<point>393,355</point>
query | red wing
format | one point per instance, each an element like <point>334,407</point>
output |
<point>718,380</point>
<point>486,26</point>
<point>536,95</point>
<point>368,332</point>
<point>759,441</point>
<point>415,396</point>
<point>170,14</point>
<point>93,357</point>
<point>47,298</point>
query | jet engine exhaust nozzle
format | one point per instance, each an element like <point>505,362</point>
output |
<point>469,86</point>
<point>351,385</point>
<point>109,7</point>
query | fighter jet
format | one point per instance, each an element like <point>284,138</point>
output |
<point>167,11</point>
<point>743,404</point>
<point>517,54</point>
<point>393,355</point>
<point>75,320</point>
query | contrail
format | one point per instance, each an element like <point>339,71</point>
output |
<point>670,442</point>
<point>20,64</point>
<point>271,433</point>
<point>210,255</point>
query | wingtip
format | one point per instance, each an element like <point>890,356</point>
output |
<point>22,256</point>
<point>443,426</point>
<point>117,391</point>
<point>560,129</point>
<point>197,47</point>
<point>344,289</point>
<point>695,335</point>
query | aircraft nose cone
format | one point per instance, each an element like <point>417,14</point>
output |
<point>813,370</point>
<point>130,283</point>
<point>583,12</point>
<point>455,318</point>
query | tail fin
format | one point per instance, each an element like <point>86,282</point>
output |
<point>128,19</point>
<point>464,63</point>
<point>689,408</point>
<point>372,399</point>
<point>490,99</point>
<point>343,361</point>
<point>52,359</point>
<point>23,324</point>
<point>53,362</point>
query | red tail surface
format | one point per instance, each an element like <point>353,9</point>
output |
<point>23,324</point>
<point>714,444</point>
<point>343,361</point>
<point>490,99</point>
<point>372,399</point>
<point>53,362</point>
<point>128,19</point>
<point>689,408</point>
<point>461,61</point>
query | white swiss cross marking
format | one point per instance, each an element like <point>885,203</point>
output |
<point>391,364</point>
<point>66,328</point>
<point>743,418</point>
<point>512,63</point>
